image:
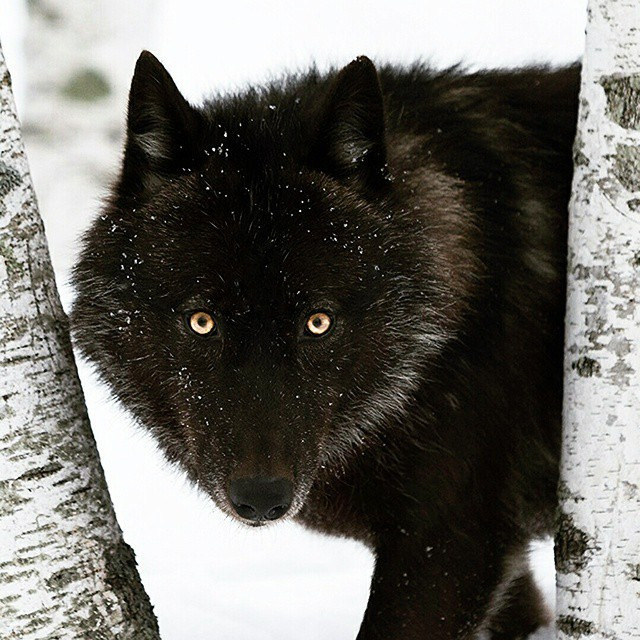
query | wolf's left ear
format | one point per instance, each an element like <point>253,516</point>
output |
<point>350,139</point>
<point>162,127</point>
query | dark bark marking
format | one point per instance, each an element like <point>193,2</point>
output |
<point>60,579</point>
<point>634,572</point>
<point>87,85</point>
<point>586,367</point>
<point>41,472</point>
<point>575,627</point>
<point>122,577</point>
<point>9,179</point>
<point>626,167</point>
<point>623,99</point>
<point>572,545</point>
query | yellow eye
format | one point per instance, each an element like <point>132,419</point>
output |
<point>318,323</point>
<point>202,323</point>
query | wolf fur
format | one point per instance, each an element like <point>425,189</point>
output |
<point>425,211</point>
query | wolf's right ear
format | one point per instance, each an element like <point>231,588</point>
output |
<point>351,137</point>
<point>162,128</point>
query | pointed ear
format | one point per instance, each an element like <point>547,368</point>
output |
<point>351,133</point>
<point>162,128</point>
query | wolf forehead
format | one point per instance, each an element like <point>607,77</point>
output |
<point>238,237</point>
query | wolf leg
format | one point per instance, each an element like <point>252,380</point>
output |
<point>439,587</point>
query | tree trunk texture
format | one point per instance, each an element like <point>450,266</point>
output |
<point>65,571</point>
<point>598,534</point>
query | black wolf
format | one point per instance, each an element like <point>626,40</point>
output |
<point>340,299</point>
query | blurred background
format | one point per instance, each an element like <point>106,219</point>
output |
<point>71,63</point>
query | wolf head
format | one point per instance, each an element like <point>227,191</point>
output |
<point>265,284</point>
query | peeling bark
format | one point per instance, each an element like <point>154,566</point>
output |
<point>65,571</point>
<point>598,533</point>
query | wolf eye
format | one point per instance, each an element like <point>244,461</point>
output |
<point>318,323</point>
<point>202,323</point>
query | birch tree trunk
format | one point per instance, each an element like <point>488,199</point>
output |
<point>598,537</point>
<point>65,571</point>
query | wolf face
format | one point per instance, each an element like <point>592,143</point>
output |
<point>246,292</point>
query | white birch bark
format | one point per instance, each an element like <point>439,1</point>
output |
<point>65,571</point>
<point>598,537</point>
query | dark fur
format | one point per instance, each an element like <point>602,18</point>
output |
<point>427,211</point>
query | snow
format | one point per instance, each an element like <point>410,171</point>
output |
<point>206,575</point>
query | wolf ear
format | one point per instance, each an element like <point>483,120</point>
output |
<point>351,131</point>
<point>162,127</point>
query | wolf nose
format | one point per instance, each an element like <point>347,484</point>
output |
<point>261,498</point>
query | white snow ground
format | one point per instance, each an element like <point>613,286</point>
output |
<point>207,576</point>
